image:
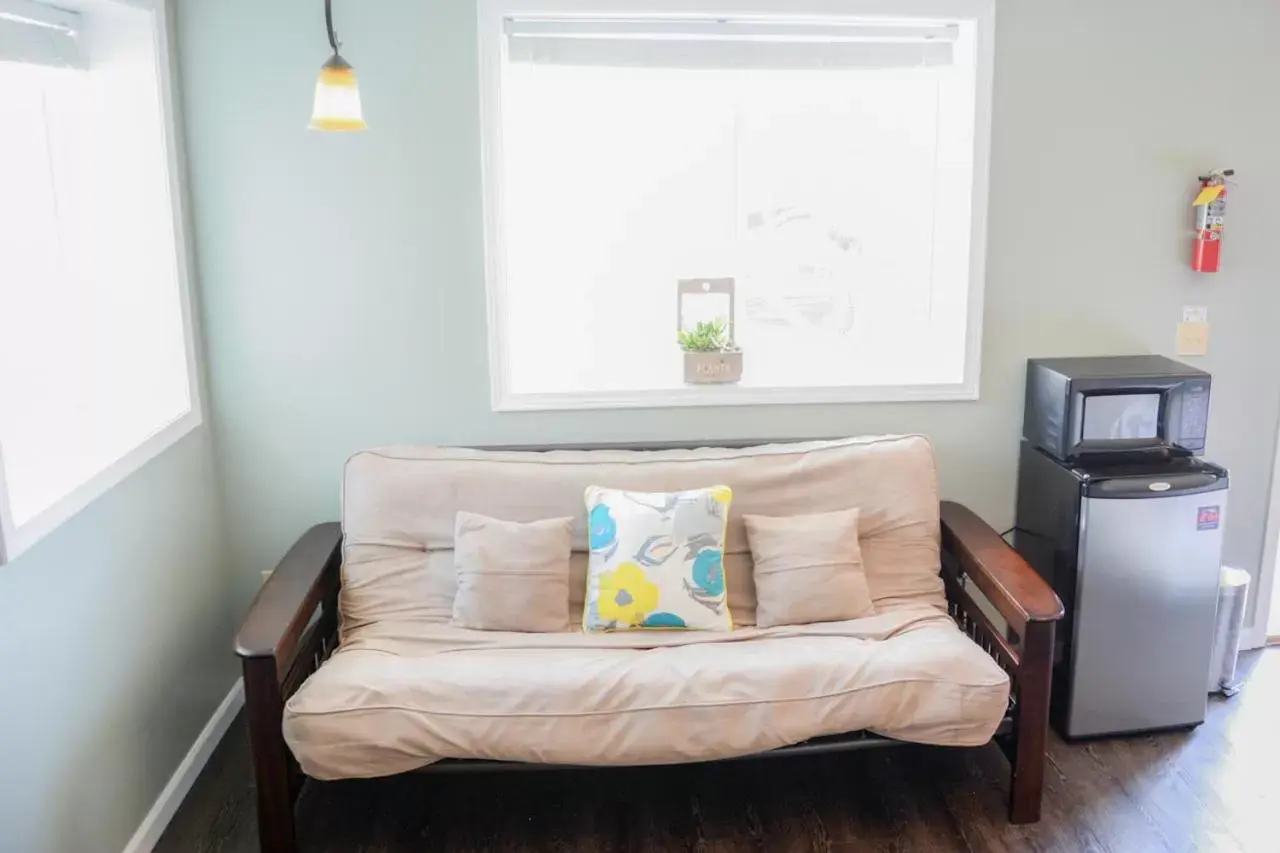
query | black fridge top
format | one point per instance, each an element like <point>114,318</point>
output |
<point>1152,480</point>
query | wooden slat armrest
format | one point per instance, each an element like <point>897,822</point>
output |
<point>287,601</point>
<point>1021,595</point>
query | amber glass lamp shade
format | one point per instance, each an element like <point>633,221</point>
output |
<point>337,105</point>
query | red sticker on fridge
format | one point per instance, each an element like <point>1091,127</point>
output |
<point>1209,518</point>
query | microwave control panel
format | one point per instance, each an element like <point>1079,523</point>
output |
<point>1195,415</point>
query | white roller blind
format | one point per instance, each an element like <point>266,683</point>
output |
<point>728,43</point>
<point>37,34</point>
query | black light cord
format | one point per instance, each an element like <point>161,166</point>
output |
<point>328,22</point>
<point>1024,531</point>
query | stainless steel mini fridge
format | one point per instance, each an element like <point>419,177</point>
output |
<point>1134,552</point>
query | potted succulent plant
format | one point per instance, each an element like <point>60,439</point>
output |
<point>710,355</point>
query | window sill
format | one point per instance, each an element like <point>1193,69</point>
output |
<point>14,542</point>
<point>731,395</point>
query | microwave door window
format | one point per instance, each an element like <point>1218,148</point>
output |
<point>1121,416</point>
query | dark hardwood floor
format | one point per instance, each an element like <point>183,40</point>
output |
<point>1213,789</point>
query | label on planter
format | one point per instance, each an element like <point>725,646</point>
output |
<point>719,368</point>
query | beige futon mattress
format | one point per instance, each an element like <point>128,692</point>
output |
<point>398,695</point>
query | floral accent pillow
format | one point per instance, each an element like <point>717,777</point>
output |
<point>657,560</point>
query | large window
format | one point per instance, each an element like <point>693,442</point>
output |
<point>829,158</point>
<point>96,362</point>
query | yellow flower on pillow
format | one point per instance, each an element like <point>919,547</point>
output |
<point>627,595</point>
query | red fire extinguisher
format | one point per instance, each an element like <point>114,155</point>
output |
<point>1210,206</point>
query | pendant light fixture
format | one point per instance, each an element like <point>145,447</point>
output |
<point>337,104</point>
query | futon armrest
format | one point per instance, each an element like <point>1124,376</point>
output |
<point>306,576</point>
<point>1021,595</point>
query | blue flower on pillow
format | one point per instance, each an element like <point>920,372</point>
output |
<point>663,620</point>
<point>708,572</point>
<point>602,530</point>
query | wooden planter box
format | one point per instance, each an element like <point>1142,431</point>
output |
<point>713,368</point>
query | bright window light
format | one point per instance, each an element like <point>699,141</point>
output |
<point>95,357</point>
<point>835,168</point>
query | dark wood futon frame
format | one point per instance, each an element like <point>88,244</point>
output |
<point>292,627</point>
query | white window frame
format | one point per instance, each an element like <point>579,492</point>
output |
<point>1267,575</point>
<point>15,540</point>
<point>492,51</point>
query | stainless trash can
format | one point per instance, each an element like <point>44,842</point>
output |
<point>1233,595</point>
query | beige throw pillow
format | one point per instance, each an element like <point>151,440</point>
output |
<point>808,568</point>
<point>512,576</point>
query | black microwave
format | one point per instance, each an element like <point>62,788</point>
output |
<point>1110,408</point>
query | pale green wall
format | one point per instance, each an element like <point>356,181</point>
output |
<point>115,650</point>
<point>343,284</point>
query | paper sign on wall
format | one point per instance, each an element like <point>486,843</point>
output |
<point>1193,339</point>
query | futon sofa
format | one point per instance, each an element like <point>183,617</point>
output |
<point>353,667</point>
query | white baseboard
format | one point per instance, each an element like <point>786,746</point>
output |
<point>166,805</point>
